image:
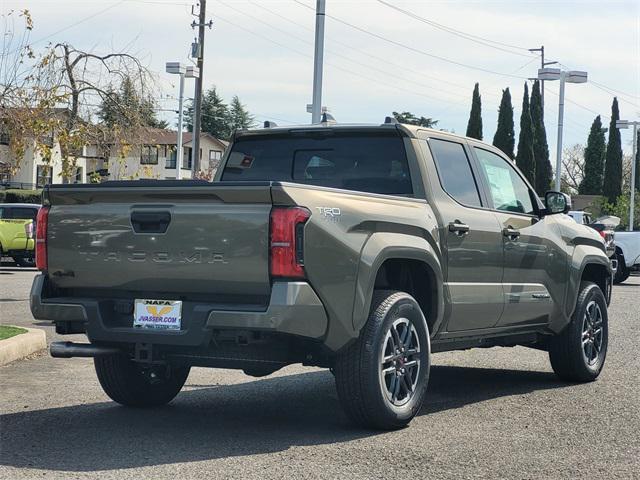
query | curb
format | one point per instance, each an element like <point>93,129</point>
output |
<point>19,346</point>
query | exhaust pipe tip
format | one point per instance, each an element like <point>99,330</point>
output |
<point>70,350</point>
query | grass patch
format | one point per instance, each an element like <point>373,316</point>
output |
<point>8,332</point>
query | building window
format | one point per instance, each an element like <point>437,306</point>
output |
<point>215,155</point>
<point>172,156</point>
<point>44,175</point>
<point>78,178</point>
<point>5,138</point>
<point>149,155</point>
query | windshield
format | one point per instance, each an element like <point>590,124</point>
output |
<point>367,162</point>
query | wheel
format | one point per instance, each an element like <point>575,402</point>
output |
<point>578,353</point>
<point>382,377</point>
<point>25,262</point>
<point>623,272</point>
<point>130,384</point>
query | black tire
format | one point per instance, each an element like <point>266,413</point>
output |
<point>25,262</point>
<point>129,384</point>
<point>570,357</point>
<point>363,389</point>
<point>623,272</point>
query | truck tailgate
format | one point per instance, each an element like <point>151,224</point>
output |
<point>142,238</point>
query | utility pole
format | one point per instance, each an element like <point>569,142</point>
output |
<point>316,106</point>
<point>543,64</point>
<point>197,52</point>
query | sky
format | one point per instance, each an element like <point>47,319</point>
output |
<point>262,51</point>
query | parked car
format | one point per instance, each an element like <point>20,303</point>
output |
<point>16,232</point>
<point>605,226</point>
<point>363,249</point>
<point>627,254</point>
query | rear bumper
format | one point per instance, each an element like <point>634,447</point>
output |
<point>294,308</point>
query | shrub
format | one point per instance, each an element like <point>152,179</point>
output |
<point>21,196</point>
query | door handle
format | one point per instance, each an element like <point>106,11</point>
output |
<point>511,233</point>
<point>150,222</point>
<point>458,228</point>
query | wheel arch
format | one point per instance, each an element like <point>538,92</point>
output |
<point>593,266</point>
<point>400,262</point>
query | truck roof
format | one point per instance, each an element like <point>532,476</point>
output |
<point>408,130</point>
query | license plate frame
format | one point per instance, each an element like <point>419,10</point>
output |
<point>155,314</point>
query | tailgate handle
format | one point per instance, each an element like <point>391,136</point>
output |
<point>150,222</point>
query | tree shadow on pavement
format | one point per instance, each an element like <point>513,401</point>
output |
<point>209,422</point>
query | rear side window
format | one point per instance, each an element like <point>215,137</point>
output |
<point>455,172</point>
<point>366,162</point>
<point>21,213</point>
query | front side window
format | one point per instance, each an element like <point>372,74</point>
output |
<point>509,192</point>
<point>361,161</point>
<point>455,172</point>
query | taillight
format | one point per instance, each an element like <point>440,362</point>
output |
<point>602,234</point>
<point>42,221</point>
<point>287,235</point>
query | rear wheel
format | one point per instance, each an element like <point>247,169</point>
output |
<point>131,384</point>
<point>623,272</point>
<point>578,353</point>
<point>382,377</point>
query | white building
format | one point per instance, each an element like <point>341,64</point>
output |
<point>157,157</point>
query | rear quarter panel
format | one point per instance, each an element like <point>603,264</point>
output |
<point>347,238</point>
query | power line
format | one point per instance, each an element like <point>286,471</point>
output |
<point>413,49</point>
<point>467,36</point>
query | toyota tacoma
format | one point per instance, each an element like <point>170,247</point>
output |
<point>362,249</point>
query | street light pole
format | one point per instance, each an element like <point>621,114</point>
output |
<point>625,124</point>
<point>572,76</point>
<point>560,125</point>
<point>179,151</point>
<point>316,106</point>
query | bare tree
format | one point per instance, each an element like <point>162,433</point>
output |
<point>572,168</point>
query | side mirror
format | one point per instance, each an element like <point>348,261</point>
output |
<point>557,202</point>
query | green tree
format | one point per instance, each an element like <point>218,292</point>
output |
<point>215,115</point>
<point>544,171</point>
<point>594,160</point>
<point>612,186</point>
<point>410,119</point>
<point>127,105</point>
<point>474,127</point>
<point>239,116</point>
<point>504,138</point>
<point>525,159</point>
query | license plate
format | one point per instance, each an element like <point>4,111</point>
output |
<point>157,314</point>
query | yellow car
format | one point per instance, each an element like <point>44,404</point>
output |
<point>17,232</point>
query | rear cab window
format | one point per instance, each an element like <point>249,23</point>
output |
<point>373,162</point>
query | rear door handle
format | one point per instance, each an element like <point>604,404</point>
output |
<point>458,228</point>
<point>511,233</point>
<point>150,222</point>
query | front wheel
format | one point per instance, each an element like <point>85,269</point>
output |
<point>578,353</point>
<point>134,385</point>
<point>623,272</point>
<point>382,377</point>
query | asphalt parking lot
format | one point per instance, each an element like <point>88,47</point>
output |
<point>496,413</point>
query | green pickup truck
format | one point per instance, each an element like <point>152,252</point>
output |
<point>359,248</point>
<point>17,231</point>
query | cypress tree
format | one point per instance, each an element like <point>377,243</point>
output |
<point>593,160</point>
<point>612,187</point>
<point>525,159</point>
<point>544,171</point>
<point>474,127</point>
<point>504,138</point>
